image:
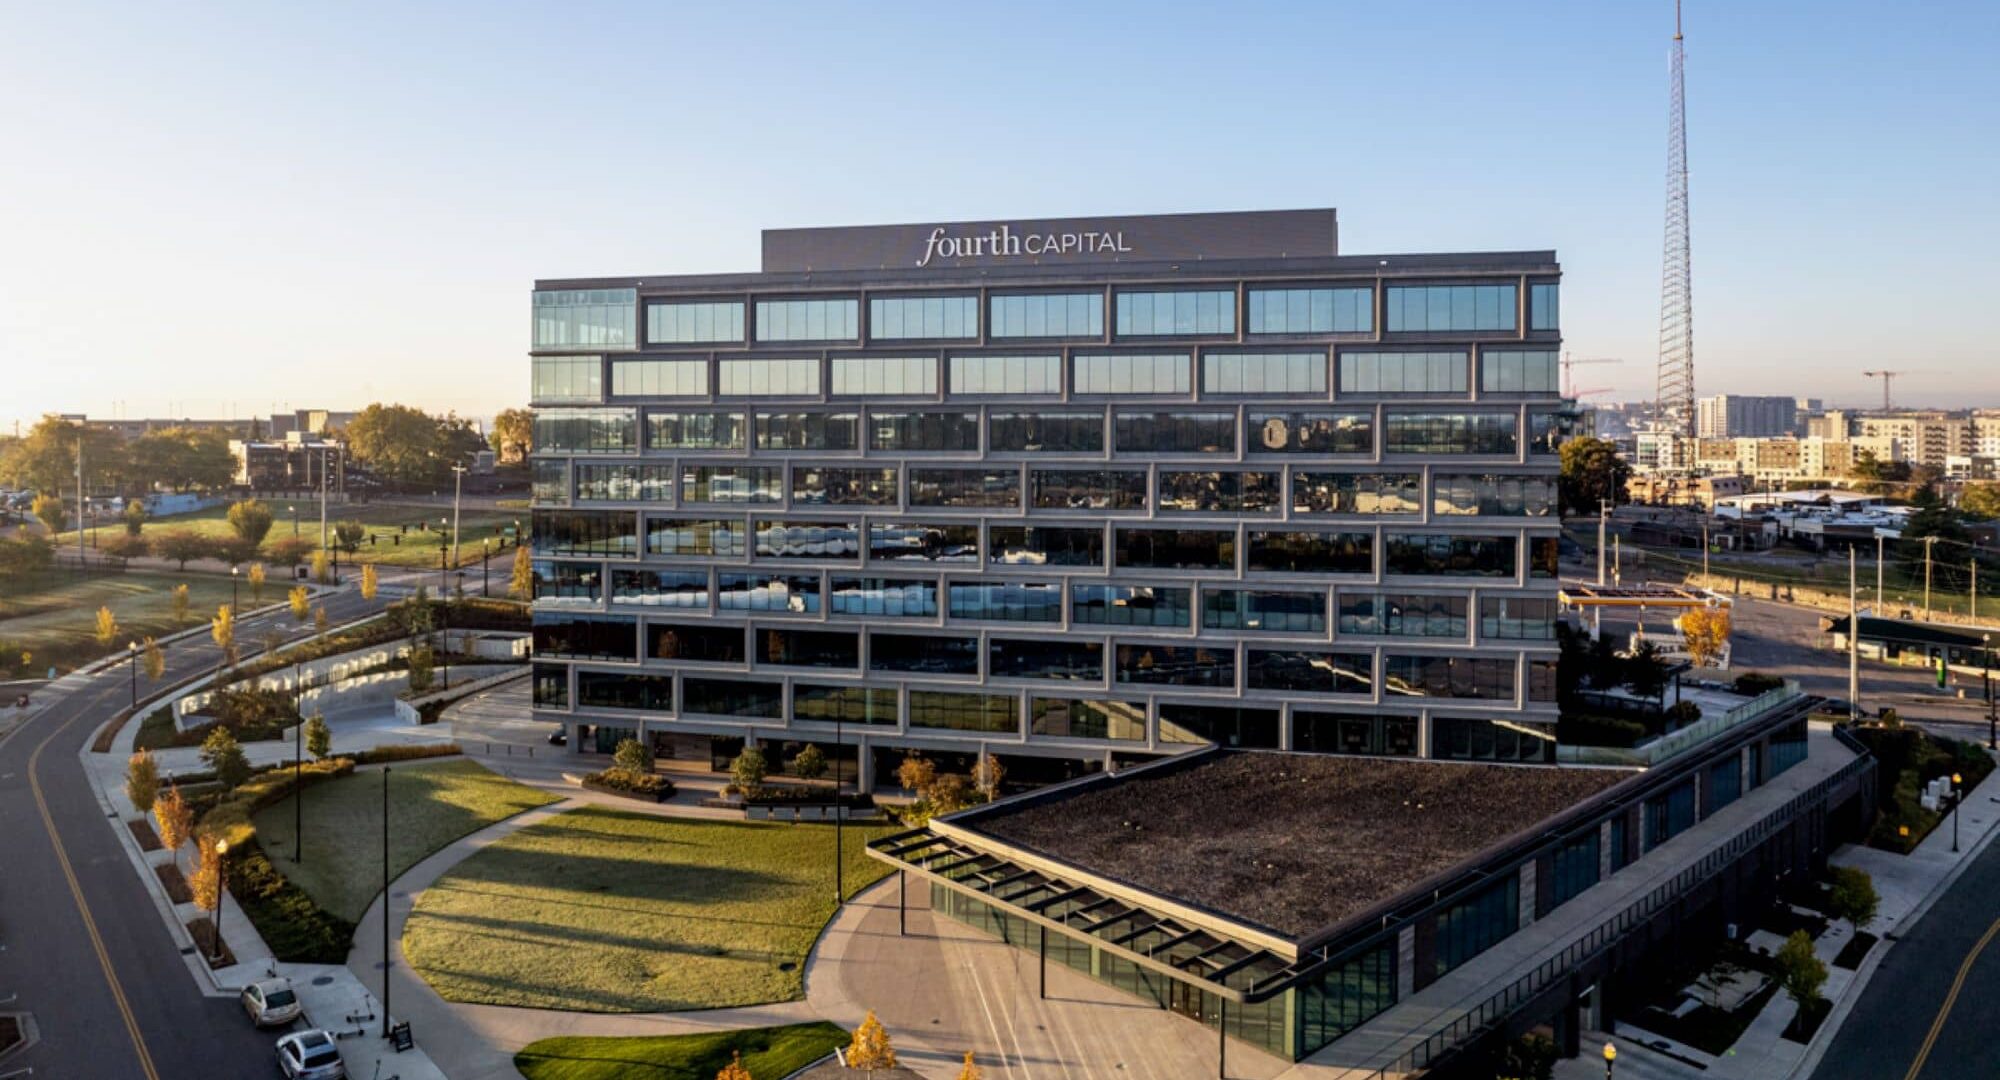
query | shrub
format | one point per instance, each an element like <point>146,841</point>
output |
<point>749,769</point>
<point>230,818</point>
<point>126,546</point>
<point>1800,973</point>
<point>223,754</point>
<point>251,520</point>
<point>142,781</point>
<point>405,752</point>
<point>297,930</point>
<point>1682,714</point>
<point>1853,896</point>
<point>182,546</point>
<point>625,782</point>
<point>809,764</point>
<point>632,756</point>
<point>422,662</point>
<point>1752,683</point>
<point>290,551</point>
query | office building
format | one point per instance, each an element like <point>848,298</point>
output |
<point>1732,416</point>
<point>1066,491</point>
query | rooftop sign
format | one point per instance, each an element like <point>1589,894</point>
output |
<point>1265,234</point>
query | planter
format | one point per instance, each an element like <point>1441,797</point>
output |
<point>658,789</point>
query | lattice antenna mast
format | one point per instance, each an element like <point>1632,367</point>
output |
<point>1674,405</point>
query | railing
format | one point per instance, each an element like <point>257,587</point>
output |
<point>1501,1005</point>
<point>1675,743</point>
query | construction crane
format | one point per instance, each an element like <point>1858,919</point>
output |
<point>1888,378</point>
<point>1569,377</point>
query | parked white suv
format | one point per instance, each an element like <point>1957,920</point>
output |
<point>310,1055</point>
<point>271,1002</point>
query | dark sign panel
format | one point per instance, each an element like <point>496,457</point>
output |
<point>1055,241</point>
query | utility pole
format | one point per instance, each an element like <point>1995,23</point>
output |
<point>322,498</point>
<point>457,485</point>
<point>1597,610</point>
<point>1878,574</point>
<point>1975,590</point>
<point>1853,639</point>
<point>1928,541</point>
<point>78,419</point>
<point>1706,583</point>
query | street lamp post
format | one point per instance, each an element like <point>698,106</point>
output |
<point>1956,798</point>
<point>221,890</point>
<point>385,901</point>
<point>444,557</point>
<point>132,650</point>
<point>234,570</point>
<point>839,815</point>
<point>457,487</point>
<point>485,566</point>
<point>298,767</point>
<point>294,508</point>
<point>1610,1059</point>
<point>1986,679</point>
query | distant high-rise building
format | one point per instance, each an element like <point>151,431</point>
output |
<point>1738,416</point>
<point>1831,424</point>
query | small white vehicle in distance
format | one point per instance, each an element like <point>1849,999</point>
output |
<point>271,1002</point>
<point>310,1055</point>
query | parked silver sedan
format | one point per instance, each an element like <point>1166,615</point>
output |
<point>271,1002</point>
<point>310,1055</point>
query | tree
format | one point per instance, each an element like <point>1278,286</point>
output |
<point>251,520</point>
<point>521,584</point>
<point>1934,519</point>
<point>107,627</point>
<point>948,792</point>
<point>225,755</point>
<point>142,781</point>
<point>347,536</point>
<point>182,546</point>
<point>459,440</point>
<point>300,600</point>
<point>870,1049</point>
<point>322,568</point>
<point>1706,631</point>
<point>369,582</point>
<point>233,549</point>
<point>319,620</point>
<point>632,756</point>
<point>153,660</point>
<point>126,546</point>
<point>1645,672</point>
<point>1980,500</point>
<point>970,1070</point>
<point>422,663</point>
<point>397,442</point>
<point>916,774</point>
<point>206,881</point>
<point>1592,472</point>
<point>1800,973</point>
<point>50,511</point>
<point>179,600</point>
<point>290,551</point>
<point>513,436</point>
<point>255,576</point>
<point>747,772</point>
<point>987,773</point>
<point>223,628</point>
<point>44,459</point>
<point>135,517</point>
<point>735,1070</point>
<point>809,764</point>
<point>173,819</point>
<point>1852,896</point>
<point>319,737</point>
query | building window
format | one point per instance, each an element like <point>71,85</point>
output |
<point>624,483</point>
<point>1088,489</point>
<point>588,431</point>
<point>923,654</point>
<point>996,489</point>
<point>1040,432</point>
<point>1433,308</point>
<point>1477,923</point>
<point>1403,615</point>
<point>568,378</point>
<point>1546,431</point>
<point>694,430</point>
<point>1346,997</point>
<point>1177,665</point>
<point>1223,725</point>
<point>566,581</point>
<point>659,378</point>
<point>681,536</point>
<point>732,484</point>
<point>1357,493</point>
<point>1788,748</point>
<point>549,482</point>
<point>1342,733</point>
<point>1007,601</point>
<point>1725,783</point>
<point>1213,492</point>
<point>732,697</point>
<point>893,598</point>
<point>1174,432</point>
<point>910,541</point>
<point>809,431</point>
<point>1574,867</point>
<point>551,686</point>
<point>1052,315</point>
<point>812,486</point>
<point>809,648</point>
<point>1479,677</point>
<point>586,532</point>
<point>1176,549</point>
<point>884,376</point>
<point>1130,605</point>
<point>1621,854</point>
<point>622,690</point>
<point>1006,375</point>
<point>660,588</point>
<point>808,320</point>
<point>1449,555</point>
<point>1542,681</point>
<point>770,378</point>
<point>1275,552</point>
<point>932,318</point>
<point>702,643</point>
<point>1027,545</point>
<point>1517,618</point>
<point>1256,609</point>
<point>1435,372</point>
<point>1312,311</point>
<point>1045,658</point>
<point>1316,432</point>
<point>576,637</point>
<point>1310,671</point>
<point>1451,433</point>
<point>1181,313</point>
<point>923,431</point>
<point>1669,815</point>
<point>694,322</point>
<point>1456,494</point>
<point>1131,373</point>
<point>1544,307</point>
<point>828,703</point>
<point>1081,718</point>
<point>586,318</point>
<point>789,538</point>
<point>945,709</point>
<point>1263,373</point>
<point>1519,371</point>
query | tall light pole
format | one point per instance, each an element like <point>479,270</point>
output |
<point>1878,573</point>
<point>385,901</point>
<point>457,487</point>
<point>1853,640</point>
<point>294,508</point>
<point>132,649</point>
<point>1928,541</point>
<point>322,498</point>
<point>839,815</point>
<point>221,891</point>
<point>1986,678</point>
<point>78,419</point>
<point>1610,1059</point>
<point>1956,798</point>
<point>234,570</point>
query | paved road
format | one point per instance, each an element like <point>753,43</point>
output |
<point>109,990</point>
<point>1890,1024</point>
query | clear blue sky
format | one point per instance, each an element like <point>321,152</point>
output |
<point>230,207</point>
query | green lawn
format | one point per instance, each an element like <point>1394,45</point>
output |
<point>767,1052</point>
<point>430,804</point>
<point>600,910</point>
<point>53,614</point>
<point>382,521</point>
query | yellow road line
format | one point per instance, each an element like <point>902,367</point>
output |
<point>1944,1011</point>
<point>83,906</point>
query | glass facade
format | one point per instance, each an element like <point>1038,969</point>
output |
<point>567,379</point>
<point>982,375</point>
<point>1438,308</point>
<point>1133,373</point>
<point>659,378</point>
<point>694,322</point>
<point>808,320</point>
<point>1047,315</point>
<point>931,318</point>
<point>586,319</point>
<point>1347,310</point>
<point>1430,373</point>
<point>885,376</point>
<point>1181,313</point>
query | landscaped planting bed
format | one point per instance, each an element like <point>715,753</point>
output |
<point>767,1052</point>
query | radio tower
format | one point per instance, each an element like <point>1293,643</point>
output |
<point>1674,406</point>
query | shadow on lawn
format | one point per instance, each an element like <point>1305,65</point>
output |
<point>502,897</point>
<point>616,878</point>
